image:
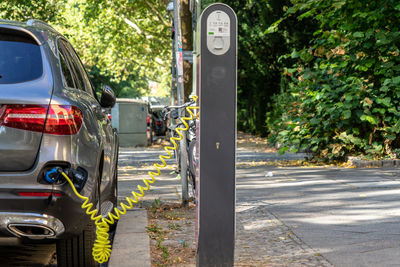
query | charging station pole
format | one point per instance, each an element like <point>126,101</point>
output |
<point>218,90</point>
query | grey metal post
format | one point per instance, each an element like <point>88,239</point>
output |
<point>218,82</point>
<point>173,81</point>
<point>181,97</point>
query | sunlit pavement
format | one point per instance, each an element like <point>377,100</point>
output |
<point>135,163</point>
<point>349,216</point>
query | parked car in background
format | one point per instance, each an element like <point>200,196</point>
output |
<point>155,118</point>
<point>51,119</point>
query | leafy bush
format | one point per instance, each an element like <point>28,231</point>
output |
<point>343,93</point>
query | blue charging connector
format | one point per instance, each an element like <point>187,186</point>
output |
<point>51,176</point>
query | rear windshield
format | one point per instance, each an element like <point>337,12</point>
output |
<point>20,57</point>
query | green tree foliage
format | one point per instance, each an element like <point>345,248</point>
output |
<point>123,43</point>
<point>259,56</point>
<point>344,91</point>
<point>23,10</point>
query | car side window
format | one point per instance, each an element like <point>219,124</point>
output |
<point>76,74</point>
<point>89,85</point>
<point>79,66</point>
<point>65,70</point>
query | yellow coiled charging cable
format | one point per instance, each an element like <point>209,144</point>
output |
<point>102,247</point>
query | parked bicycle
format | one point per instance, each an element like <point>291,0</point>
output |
<point>172,113</point>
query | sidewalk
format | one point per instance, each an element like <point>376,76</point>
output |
<point>131,241</point>
<point>131,245</point>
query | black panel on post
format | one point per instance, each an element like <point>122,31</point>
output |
<point>218,90</point>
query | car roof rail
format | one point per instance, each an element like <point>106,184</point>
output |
<point>37,22</point>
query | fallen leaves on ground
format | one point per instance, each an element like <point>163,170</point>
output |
<point>171,230</point>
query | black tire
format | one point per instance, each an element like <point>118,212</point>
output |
<point>114,198</point>
<point>177,157</point>
<point>192,160</point>
<point>77,251</point>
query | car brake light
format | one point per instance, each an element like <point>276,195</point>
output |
<point>158,123</point>
<point>53,119</point>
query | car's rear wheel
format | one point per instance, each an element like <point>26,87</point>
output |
<point>77,251</point>
<point>114,196</point>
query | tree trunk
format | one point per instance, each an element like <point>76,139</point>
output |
<point>187,45</point>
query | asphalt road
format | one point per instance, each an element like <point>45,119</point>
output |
<point>350,216</point>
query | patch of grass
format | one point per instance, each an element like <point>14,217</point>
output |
<point>165,253</point>
<point>174,215</point>
<point>184,244</point>
<point>155,206</point>
<point>154,228</point>
<point>158,234</point>
<point>175,226</point>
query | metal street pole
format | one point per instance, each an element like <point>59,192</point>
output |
<point>170,10</point>
<point>173,82</point>
<point>173,72</point>
<point>181,97</point>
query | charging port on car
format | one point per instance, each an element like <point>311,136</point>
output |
<point>51,174</point>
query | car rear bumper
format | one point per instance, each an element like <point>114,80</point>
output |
<point>32,217</point>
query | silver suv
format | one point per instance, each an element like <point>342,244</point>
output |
<point>51,119</point>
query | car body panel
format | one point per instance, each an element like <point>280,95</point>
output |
<point>18,148</point>
<point>93,148</point>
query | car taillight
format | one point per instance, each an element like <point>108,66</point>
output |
<point>25,117</point>
<point>61,119</point>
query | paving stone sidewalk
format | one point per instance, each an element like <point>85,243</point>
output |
<point>263,240</point>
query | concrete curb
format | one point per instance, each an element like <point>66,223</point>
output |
<point>395,163</point>
<point>131,245</point>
